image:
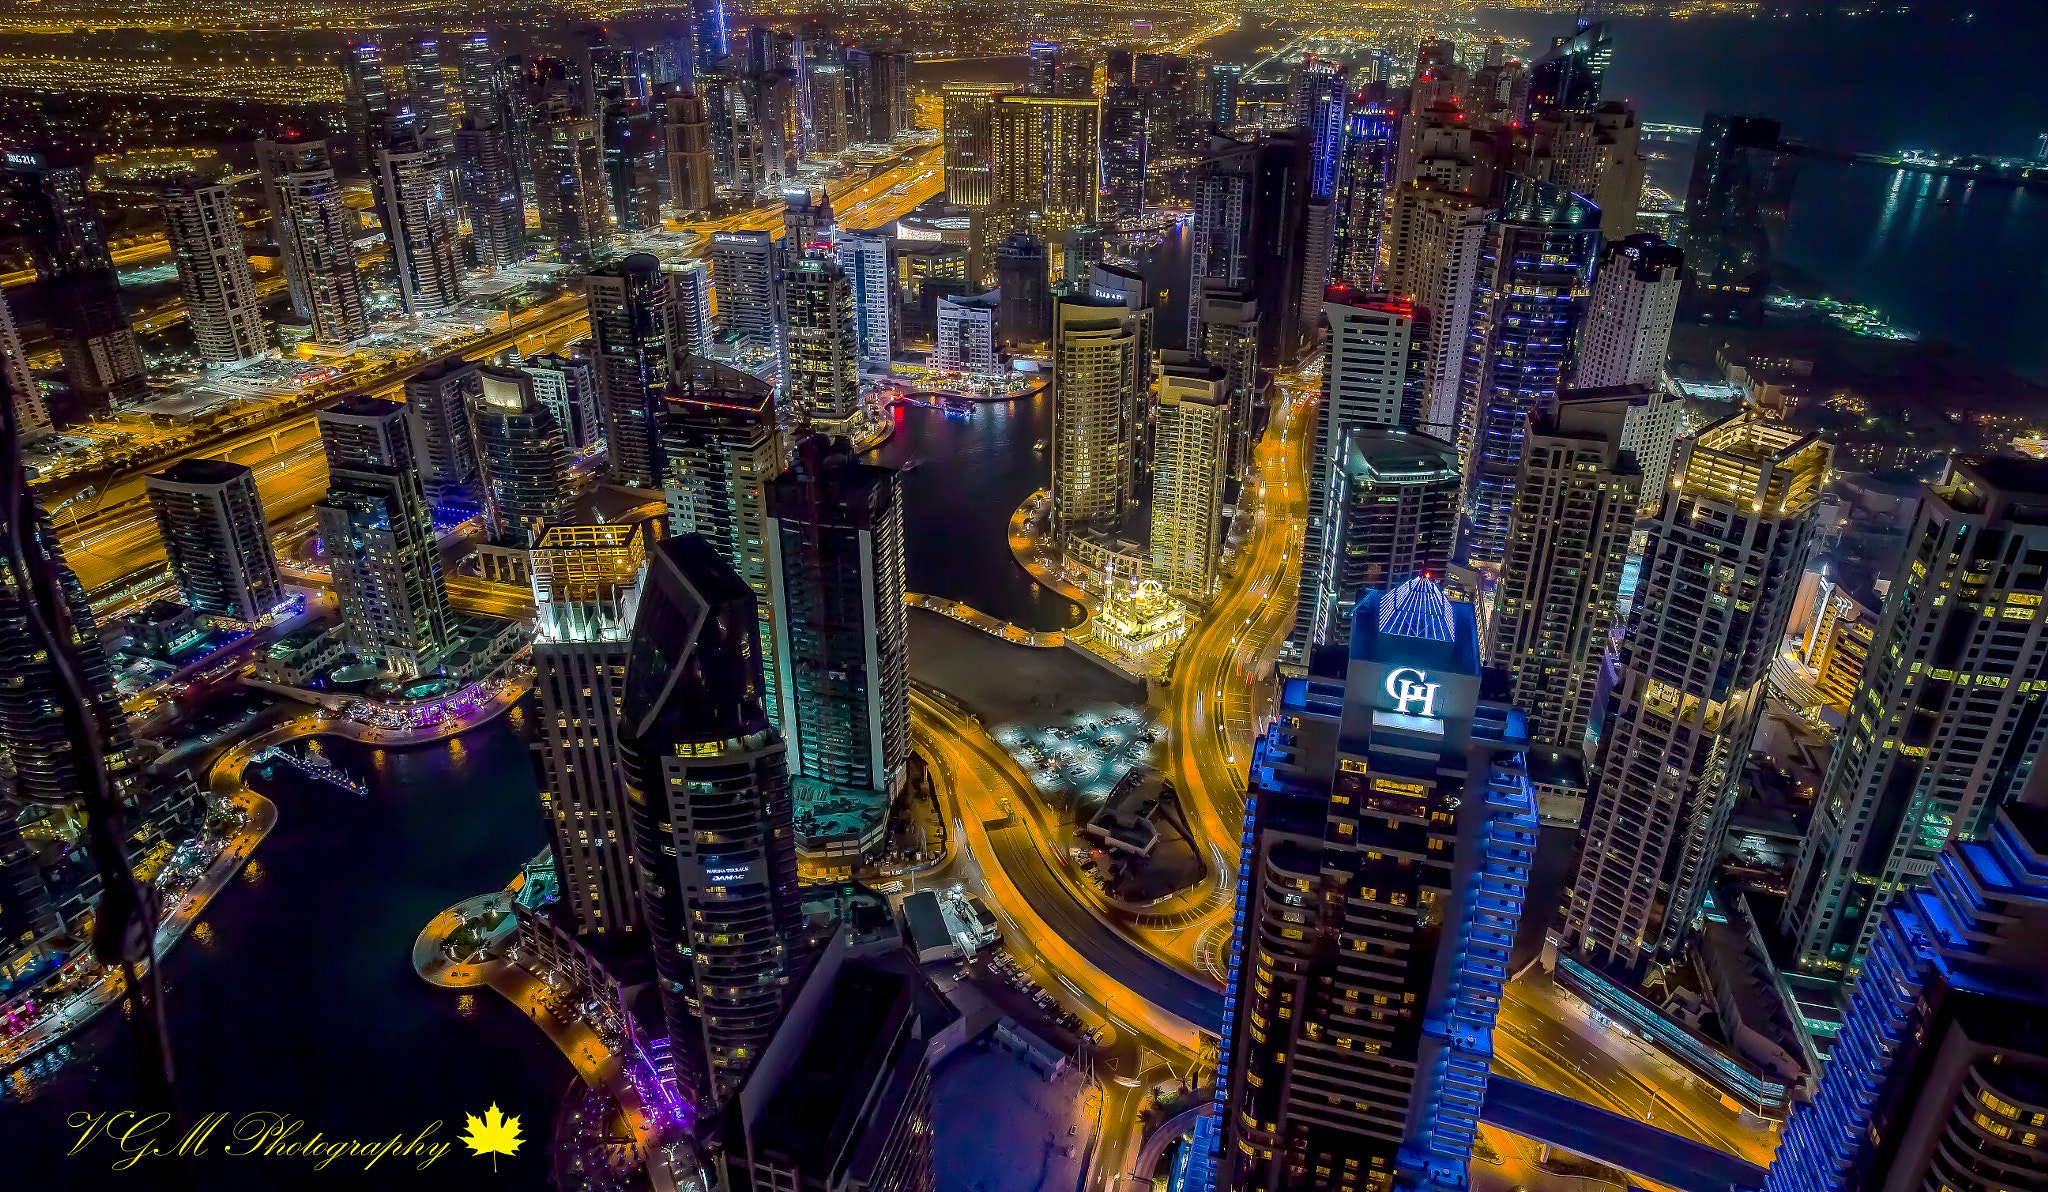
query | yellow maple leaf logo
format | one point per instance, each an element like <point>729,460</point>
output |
<point>494,1134</point>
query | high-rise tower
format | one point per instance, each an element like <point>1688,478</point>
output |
<point>970,154</point>
<point>205,234</point>
<point>444,444</point>
<point>416,199</point>
<point>708,787</point>
<point>315,233</point>
<point>490,193</point>
<point>586,586</point>
<point>1627,331</point>
<point>1736,205</point>
<point>1190,450</point>
<point>1718,579</point>
<point>1095,362</point>
<point>569,185</point>
<point>1390,829</point>
<point>636,321</point>
<point>822,379</point>
<point>1535,267</point>
<point>522,461</point>
<point>692,178</point>
<point>1945,725</point>
<point>216,538</point>
<point>1576,494</point>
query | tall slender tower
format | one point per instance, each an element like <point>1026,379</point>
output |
<point>1389,835</point>
<point>1627,331</point>
<point>1939,1077</point>
<point>416,196</point>
<point>1190,448</point>
<point>1535,267</point>
<point>24,392</point>
<point>747,273</point>
<point>692,178</point>
<point>866,259</point>
<point>586,586</point>
<point>522,462</point>
<point>708,787</point>
<point>205,234</point>
<point>822,379</point>
<point>216,538</point>
<point>970,153</point>
<point>723,446</point>
<point>444,444</point>
<point>1095,357</point>
<point>569,185</point>
<point>50,205</point>
<point>1718,580</point>
<point>835,567</point>
<point>490,192</point>
<point>1946,724</point>
<point>636,322</point>
<point>1575,505</point>
<point>632,165</point>
<point>315,233</point>
<point>379,541</point>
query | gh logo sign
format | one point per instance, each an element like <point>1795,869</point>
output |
<point>1407,692</point>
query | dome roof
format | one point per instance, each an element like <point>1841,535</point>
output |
<point>1418,608</point>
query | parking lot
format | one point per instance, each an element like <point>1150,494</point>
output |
<point>1078,760</point>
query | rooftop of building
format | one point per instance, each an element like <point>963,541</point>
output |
<point>819,1102</point>
<point>1388,455</point>
<point>2014,474</point>
<point>203,471</point>
<point>362,405</point>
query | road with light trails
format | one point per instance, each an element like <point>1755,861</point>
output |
<point>291,472</point>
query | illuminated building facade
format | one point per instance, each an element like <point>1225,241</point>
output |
<point>1946,721</point>
<point>24,393</point>
<point>315,232</point>
<point>1575,507</point>
<point>567,385</point>
<point>216,538</point>
<point>1095,366</point>
<point>1190,438</point>
<point>865,257</point>
<point>1389,832</point>
<point>522,460</point>
<point>1391,513</point>
<point>1719,576</point>
<point>747,275</point>
<point>205,234</point>
<point>416,198</point>
<point>1535,267</point>
<point>379,541</point>
<point>708,789</point>
<point>586,586</point>
<point>1139,620</point>
<point>821,381</point>
<point>970,153</point>
<point>692,177</point>
<point>490,193</point>
<point>1045,156</point>
<point>569,186</point>
<point>636,321</point>
<point>1229,336</point>
<point>437,403</point>
<point>1939,1075</point>
<point>1627,333</point>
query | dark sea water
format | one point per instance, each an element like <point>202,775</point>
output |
<point>1954,262</point>
<point>305,1002</point>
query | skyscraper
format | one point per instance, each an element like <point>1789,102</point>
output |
<point>1372,376</point>
<point>437,403</point>
<point>480,74</point>
<point>316,236</point>
<point>1249,236</point>
<point>1718,579</point>
<point>835,568</point>
<point>1190,451</point>
<point>427,92</point>
<point>636,321</point>
<point>1576,495</point>
<point>632,165</point>
<point>1046,161</point>
<point>210,517</point>
<point>708,787</point>
<point>1535,266</point>
<point>366,98</point>
<point>416,199</point>
<point>379,542</point>
<point>1229,336</point>
<point>586,586</point>
<point>708,33</point>
<point>746,270</point>
<point>821,381</point>
<point>360,431</point>
<point>1736,204</point>
<point>692,171</point>
<point>1126,156</point>
<point>723,445</point>
<point>1568,76</point>
<point>24,392</point>
<point>205,234</point>
<point>1390,830</point>
<point>50,206</point>
<point>1042,68</point>
<point>1945,723</point>
<point>569,185</point>
<point>1319,102</point>
<point>1627,332</point>
<point>865,257</point>
<point>1939,1077</point>
<point>1360,201</point>
<point>490,193</point>
<point>1023,278</point>
<point>1095,358</point>
<point>970,154</point>
<point>523,461</point>
<point>1594,154</point>
<point>567,385</point>
<point>1390,510</point>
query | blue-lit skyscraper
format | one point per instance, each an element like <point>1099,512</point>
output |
<point>1939,1077</point>
<point>1389,832</point>
<point>707,29</point>
<point>1319,108</point>
<point>1362,176</point>
<point>1535,273</point>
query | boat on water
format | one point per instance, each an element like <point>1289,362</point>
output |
<point>1039,445</point>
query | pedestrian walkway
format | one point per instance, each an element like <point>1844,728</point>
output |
<point>964,613</point>
<point>594,1062</point>
<point>258,816</point>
